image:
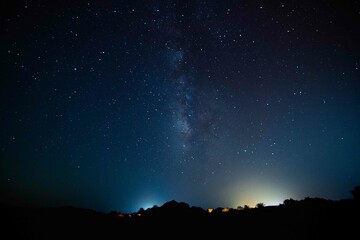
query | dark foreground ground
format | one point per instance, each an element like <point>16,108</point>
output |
<point>305,219</point>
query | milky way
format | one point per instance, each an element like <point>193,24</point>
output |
<point>117,105</point>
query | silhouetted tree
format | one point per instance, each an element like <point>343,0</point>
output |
<point>289,201</point>
<point>240,208</point>
<point>356,193</point>
<point>218,210</point>
<point>246,207</point>
<point>260,205</point>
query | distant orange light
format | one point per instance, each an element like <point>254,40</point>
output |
<point>139,214</point>
<point>121,215</point>
<point>225,210</point>
<point>210,210</point>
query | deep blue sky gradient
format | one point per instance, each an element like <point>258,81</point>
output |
<point>117,105</point>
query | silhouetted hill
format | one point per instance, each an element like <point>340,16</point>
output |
<point>311,218</point>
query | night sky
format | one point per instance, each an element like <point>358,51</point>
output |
<point>118,105</point>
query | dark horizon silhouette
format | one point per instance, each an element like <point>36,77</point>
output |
<point>309,218</point>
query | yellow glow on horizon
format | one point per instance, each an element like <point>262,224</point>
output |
<point>253,192</point>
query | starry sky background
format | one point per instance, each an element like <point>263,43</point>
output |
<point>117,105</point>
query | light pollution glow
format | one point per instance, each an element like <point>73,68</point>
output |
<point>259,191</point>
<point>250,192</point>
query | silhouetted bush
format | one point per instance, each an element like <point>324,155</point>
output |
<point>356,193</point>
<point>260,205</point>
<point>289,202</point>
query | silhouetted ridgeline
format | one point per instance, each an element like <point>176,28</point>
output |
<point>311,218</point>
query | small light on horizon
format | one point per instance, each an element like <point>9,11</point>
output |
<point>225,210</point>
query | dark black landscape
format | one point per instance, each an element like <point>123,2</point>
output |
<point>310,218</point>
